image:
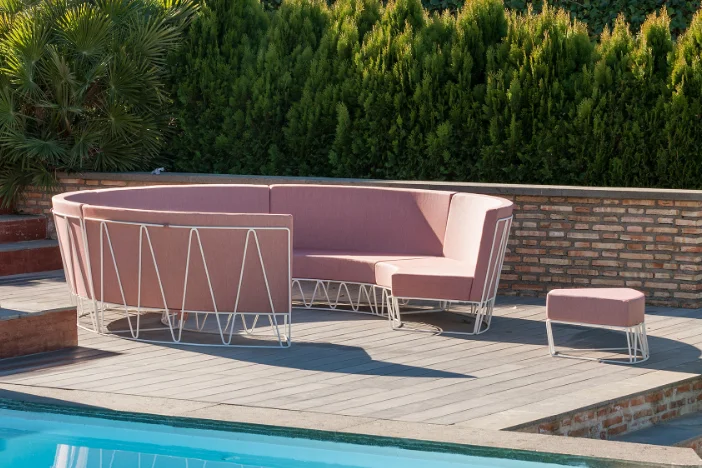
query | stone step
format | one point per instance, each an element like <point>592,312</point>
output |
<point>18,228</point>
<point>29,257</point>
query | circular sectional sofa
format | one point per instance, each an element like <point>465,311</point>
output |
<point>228,255</point>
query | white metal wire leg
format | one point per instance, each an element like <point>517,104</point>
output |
<point>637,344</point>
<point>549,334</point>
<point>483,316</point>
<point>393,311</point>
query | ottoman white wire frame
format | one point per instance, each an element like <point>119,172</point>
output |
<point>636,339</point>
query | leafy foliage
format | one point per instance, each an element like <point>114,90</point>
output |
<point>597,14</point>
<point>602,14</point>
<point>81,85</point>
<point>365,88</point>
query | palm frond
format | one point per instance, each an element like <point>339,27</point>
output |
<point>85,31</point>
<point>82,85</point>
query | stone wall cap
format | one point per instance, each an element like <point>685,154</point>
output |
<point>473,187</point>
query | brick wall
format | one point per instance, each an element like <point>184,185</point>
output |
<point>38,333</point>
<point>561,237</point>
<point>629,414</point>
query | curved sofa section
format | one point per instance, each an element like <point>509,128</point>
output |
<point>145,246</point>
<point>117,252</point>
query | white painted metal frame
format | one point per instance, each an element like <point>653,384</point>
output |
<point>636,339</point>
<point>338,295</point>
<point>481,311</point>
<point>174,321</point>
<point>380,301</point>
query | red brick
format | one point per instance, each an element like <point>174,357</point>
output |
<point>607,227</point>
<point>684,388</point>
<point>616,430</point>
<point>647,413</point>
<point>612,421</point>
<point>114,183</point>
<point>26,335</point>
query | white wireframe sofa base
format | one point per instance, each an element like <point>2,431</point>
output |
<point>480,314</point>
<point>195,328</point>
<point>95,314</point>
<point>365,298</point>
<point>345,296</point>
<point>637,344</point>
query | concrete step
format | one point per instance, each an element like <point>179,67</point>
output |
<point>29,257</point>
<point>17,228</point>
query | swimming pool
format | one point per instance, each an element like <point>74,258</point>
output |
<point>45,440</point>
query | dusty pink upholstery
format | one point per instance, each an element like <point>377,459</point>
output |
<point>194,198</point>
<point>337,265</point>
<point>418,243</point>
<point>470,231</point>
<point>223,249</point>
<point>461,274</point>
<point>68,226</point>
<point>342,232</point>
<point>427,278</point>
<point>616,307</point>
<point>364,219</point>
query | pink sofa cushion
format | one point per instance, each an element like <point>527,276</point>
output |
<point>470,235</point>
<point>68,204</point>
<point>69,212</point>
<point>191,198</point>
<point>616,307</point>
<point>365,219</point>
<point>337,265</point>
<point>223,251</point>
<point>426,278</point>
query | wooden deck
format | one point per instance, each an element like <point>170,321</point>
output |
<point>355,365</point>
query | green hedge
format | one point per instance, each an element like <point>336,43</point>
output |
<point>597,14</point>
<point>364,89</point>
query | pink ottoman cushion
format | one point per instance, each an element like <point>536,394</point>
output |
<point>616,307</point>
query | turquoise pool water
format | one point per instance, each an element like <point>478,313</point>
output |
<point>45,440</point>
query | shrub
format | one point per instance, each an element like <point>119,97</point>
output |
<point>236,80</point>
<point>680,159</point>
<point>536,76</point>
<point>364,88</point>
<point>627,120</point>
<point>81,85</point>
<point>330,90</point>
<point>602,14</point>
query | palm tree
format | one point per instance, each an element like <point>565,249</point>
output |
<point>82,86</point>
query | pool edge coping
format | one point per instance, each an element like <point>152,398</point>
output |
<point>364,431</point>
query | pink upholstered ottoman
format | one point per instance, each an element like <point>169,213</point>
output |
<point>612,308</point>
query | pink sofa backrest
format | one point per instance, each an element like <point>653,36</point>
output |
<point>192,198</point>
<point>223,251</point>
<point>69,211</point>
<point>470,235</point>
<point>365,219</point>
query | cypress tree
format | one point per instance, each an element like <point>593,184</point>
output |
<point>212,76</point>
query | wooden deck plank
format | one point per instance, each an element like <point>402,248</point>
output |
<point>350,364</point>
